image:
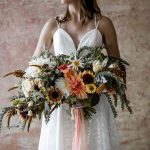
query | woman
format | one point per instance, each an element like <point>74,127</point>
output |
<point>82,24</point>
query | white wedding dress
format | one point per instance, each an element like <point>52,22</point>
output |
<point>59,132</point>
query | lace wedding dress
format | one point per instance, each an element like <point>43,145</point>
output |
<point>101,129</point>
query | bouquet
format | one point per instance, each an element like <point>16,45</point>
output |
<point>75,79</point>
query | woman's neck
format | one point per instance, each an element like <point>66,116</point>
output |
<point>74,11</point>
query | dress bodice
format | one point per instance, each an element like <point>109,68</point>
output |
<point>64,44</point>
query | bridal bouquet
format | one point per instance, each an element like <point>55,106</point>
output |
<point>75,79</point>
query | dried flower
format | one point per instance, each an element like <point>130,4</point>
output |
<point>100,88</point>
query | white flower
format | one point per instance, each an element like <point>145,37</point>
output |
<point>103,79</point>
<point>38,82</point>
<point>104,51</point>
<point>76,63</point>
<point>27,87</point>
<point>40,61</point>
<point>97,66</point>
<point>104,63</point>
<point>61,85</point>
<point>18,105</point>
<point>112,66</point>
<point>33,71</point>
<point>30,104</point>
<point>30,113</point>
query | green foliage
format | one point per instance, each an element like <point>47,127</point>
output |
<point>23,125</point>
<point>88,112</point>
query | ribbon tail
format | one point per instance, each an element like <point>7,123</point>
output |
<point>80,136</point>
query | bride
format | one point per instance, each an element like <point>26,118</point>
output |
<point>82,24</point>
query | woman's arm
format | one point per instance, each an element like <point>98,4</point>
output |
<point>110,37</point>
<point>45,38</point>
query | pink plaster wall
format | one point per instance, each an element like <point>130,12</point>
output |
<point>20,24</point>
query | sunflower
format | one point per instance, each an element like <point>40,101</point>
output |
<point>87,77</point>
<point>55,95</point>
<point>90,88</point>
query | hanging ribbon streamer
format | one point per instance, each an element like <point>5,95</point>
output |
<point>80,136</point>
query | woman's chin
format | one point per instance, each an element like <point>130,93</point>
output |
<point>66,1</point>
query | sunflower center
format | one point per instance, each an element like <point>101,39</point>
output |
<point>55,94</point>
<point>91,88</point>
<point>87,79</point>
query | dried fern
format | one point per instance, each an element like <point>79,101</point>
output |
<point>4,111</point>
<point>88,112</point>
<point>18,73</point>
<point>15,87</point>
<point>111,104</point>
<point>115,99</point>
<point>29,122</point>
<point>10,113</point>
<point>120,87</point>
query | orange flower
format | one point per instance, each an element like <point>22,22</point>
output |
<point>78,88</point>
<point>75,84</point>
<point>63,67</point>
<point>70,75</point>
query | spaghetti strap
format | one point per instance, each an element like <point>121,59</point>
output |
<point>96,22</point>
<point>58,21</point>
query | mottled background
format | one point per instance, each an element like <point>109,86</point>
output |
<point>20,24</point>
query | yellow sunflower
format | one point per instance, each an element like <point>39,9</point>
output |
<point>87,77</point>
<point>90,88</point>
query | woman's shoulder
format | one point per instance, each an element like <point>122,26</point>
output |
<point>106,23</point>
<point>105,20</point>
<point>52,22</point>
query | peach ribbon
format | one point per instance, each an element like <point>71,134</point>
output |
<point>80,136</point>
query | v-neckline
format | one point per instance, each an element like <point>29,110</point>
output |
<point>71,39</point>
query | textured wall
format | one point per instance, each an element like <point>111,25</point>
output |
<point>20,24</point>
